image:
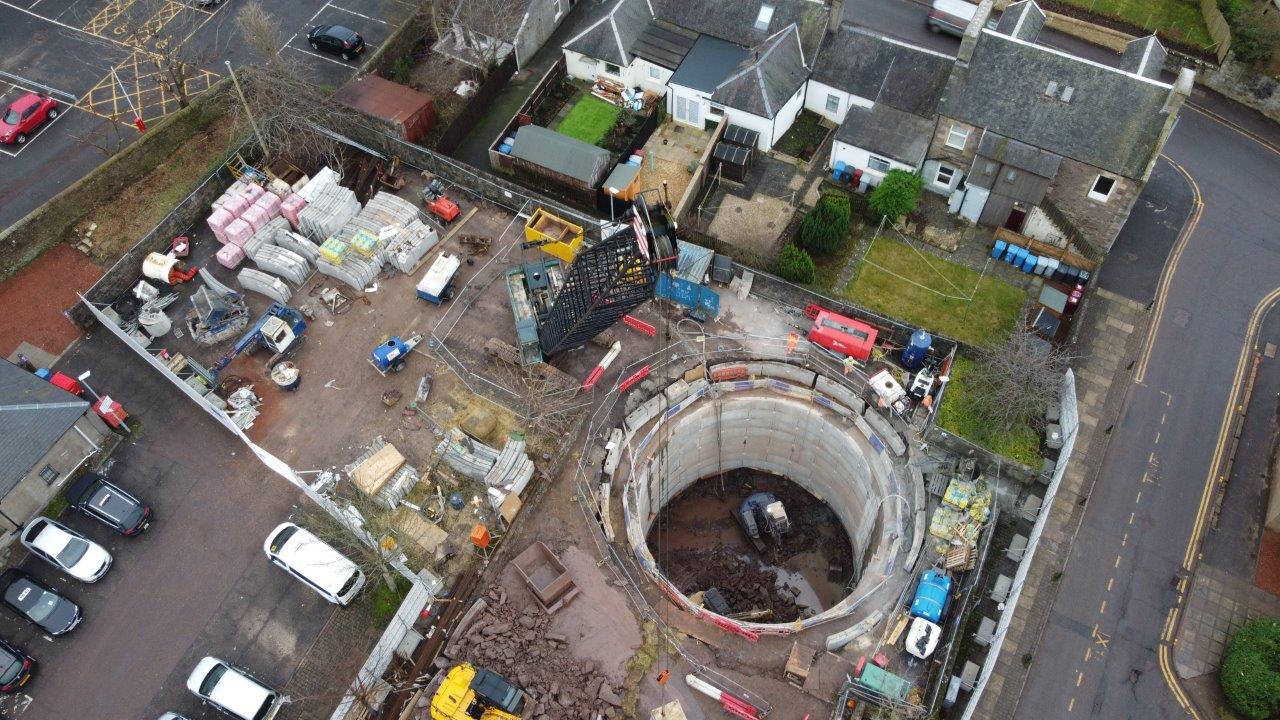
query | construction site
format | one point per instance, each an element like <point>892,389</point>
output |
<point>629,477</point>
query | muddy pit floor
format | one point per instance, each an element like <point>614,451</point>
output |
<point>699,544</point>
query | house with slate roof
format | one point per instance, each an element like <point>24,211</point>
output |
<point>477,34</point>
<point>883,95</point>
<point>1044,143</point>
<point>46,436</point>
<point>744,61</point>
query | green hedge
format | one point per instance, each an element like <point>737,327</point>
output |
<point>897,194</point>
<point>826,226</point>
<point>794,264</point>
<point>1250,672</point>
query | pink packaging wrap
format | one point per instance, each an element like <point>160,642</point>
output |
<point>238,232</point>
<point>290,208</point>
<point>218,221</point>
<point>222,199</point>
<point>255,216</point>
<point>230,256</point>
<point>253,192</point>
<point>236,204</point>
<point>269,202</point>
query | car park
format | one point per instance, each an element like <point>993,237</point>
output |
<point>309,559</point>
<point>38,603</point>
<point>66,549</point>
<point>233,691</point>
<point>336,39</point>
<point>16,667</point>
<point>24,116</point>
<point>104,501</point>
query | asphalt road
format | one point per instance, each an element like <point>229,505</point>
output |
<point>70,48</point>
<point>195,584</point>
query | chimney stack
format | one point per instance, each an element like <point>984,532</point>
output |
<point>836,16</point>
<point>973,31</point>
<point>1181,90</point>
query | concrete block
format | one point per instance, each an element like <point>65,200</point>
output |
<point>841,394</point>
<point>886,432</point>
<point>786,371</point>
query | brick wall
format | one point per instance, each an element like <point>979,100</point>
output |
<point>1098,222</point>
<point>939,150</point>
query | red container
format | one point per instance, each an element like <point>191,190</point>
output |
<point>843,335</point>
<point>66,382</point>
<point>110,411</point>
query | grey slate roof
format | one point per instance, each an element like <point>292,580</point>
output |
<point>1022,20</point>
<point>1113,120</point>
<point>734,20</point>
<point>561,153</point>
<point>34,415</point>
<point>708,64</point>
<point>768,77</point>
<point>1019,155</point>
<point>887,131</point>
<point>611,39</point>
<point>663,43</point>
<point>872,66</point>
<point>1144,56</point>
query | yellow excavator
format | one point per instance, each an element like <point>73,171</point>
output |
<point>472,693</point>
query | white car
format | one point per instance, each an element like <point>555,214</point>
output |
<point>233,691</point>
<point>66,549</point>
<point>311,560</point>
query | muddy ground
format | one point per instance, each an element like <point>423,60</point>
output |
<point>699,544</point>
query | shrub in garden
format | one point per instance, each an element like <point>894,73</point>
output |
<point>794,264</point>
<point>827,225</point>
<point>896,195</point>
<point>1250,672</point>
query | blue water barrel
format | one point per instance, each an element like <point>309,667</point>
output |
<point>1010,252</point>
<point>1029,263</point>
<point>914,353</point>
<point>998,250</point>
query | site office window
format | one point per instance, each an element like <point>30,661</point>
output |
<point>1102,188</point>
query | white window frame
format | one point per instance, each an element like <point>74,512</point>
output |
<point>1102,197</point>
<point>937,176</point>
<point>559,9</point>
<point>872,159</point>
<point>964,137</point>
<point>654,72</point>
<point>616,71</point>
<point>764,17</point>
<point>833,99</point>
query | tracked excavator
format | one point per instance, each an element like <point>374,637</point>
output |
<point>472,693</point>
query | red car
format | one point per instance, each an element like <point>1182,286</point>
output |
<point>24,116</point>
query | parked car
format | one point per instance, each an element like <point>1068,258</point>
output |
<point>172,716</point>
<point>336,39</point>
<point>16,667</point>
<point>24,116</point>
<point>104,501</point>
<point>233,691</point>
<point>311,560</point>
<point>953,16</point>
<point>38,603</point>
<point>66,549</point>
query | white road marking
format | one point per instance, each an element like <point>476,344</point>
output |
<point>63,25</point>
<point>353,12</point>
<point>317,55</point>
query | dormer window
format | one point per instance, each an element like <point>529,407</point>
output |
<point>764,17</point>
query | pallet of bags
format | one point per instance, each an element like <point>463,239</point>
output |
<point>291,206</point>
<point>238,232</point>
<point>230,255</point>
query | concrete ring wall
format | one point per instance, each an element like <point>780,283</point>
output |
<point>778,428</point>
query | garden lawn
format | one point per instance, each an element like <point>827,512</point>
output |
<point>958,417</point>
<point>983,321</point>
<point>590,120</point>
<point>1176,19</point>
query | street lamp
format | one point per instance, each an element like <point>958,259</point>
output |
<point>83,378</point>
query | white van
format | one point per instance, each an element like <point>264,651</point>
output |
<point>312,561</point>
<point>953,16</point>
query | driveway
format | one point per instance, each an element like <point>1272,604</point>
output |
<point>195,584</point>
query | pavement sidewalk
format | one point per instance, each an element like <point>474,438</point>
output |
<point>1110,335</point>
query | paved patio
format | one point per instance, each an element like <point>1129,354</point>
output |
<point>668,156</point>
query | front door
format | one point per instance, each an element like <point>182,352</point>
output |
<point>689,110</point>
<point>1017,218</point>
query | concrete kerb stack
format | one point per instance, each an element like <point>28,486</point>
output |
<point>665,437</point>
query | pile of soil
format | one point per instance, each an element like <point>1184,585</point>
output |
<point>515,643</point>
<point>742,581</point>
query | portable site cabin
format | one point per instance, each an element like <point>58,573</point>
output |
<point>436,283</point>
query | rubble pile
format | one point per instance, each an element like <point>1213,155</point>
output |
<point>743,583</point>
<point>516,643</point>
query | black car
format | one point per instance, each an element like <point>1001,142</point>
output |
<point>16,667</point>
<point>336,39</point>
<point>38,603</point>
<point>104,501</point>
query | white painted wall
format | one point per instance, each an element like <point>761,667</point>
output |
<point>816,100</point>
<point>702,98</point>
<point>929,171</point>
<point>856,157</point>
<point>770,130</point>
<point>1040,227</point>
<point>582,67</point>
<point>641,71</point>
<point>783,118</point>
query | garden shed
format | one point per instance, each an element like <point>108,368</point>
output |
<point>412,112</point>
<point>570,163</point>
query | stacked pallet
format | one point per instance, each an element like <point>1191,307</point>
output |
<point>329,208</point>
<point>260,282</point>
<point>285,263</point>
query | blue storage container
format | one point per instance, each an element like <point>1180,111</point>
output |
<point>917,348</point>
<point>998,250</point>
<point>505,149</point>
<point>1029,263</point>
<point>1010,252</point>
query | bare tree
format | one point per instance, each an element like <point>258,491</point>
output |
<point>1013,384</point>
<point>376,549</point>
<point>176,44</point>
<point>287,107</point>
<point>484,30</point>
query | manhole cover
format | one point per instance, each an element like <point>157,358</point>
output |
<point>737,209</point>
<point>1181,317</point>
